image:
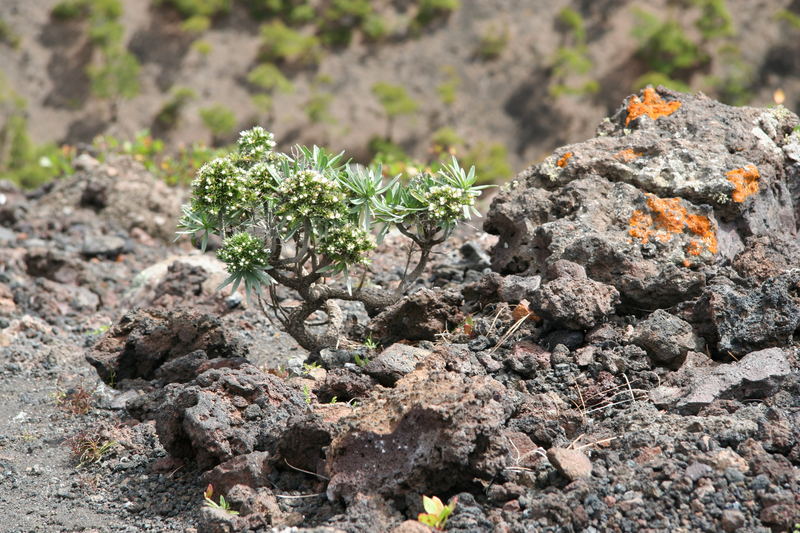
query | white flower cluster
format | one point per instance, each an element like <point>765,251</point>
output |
<point>242,253</point>
<point>256,142</point>
<point>309,193</point>
<point>447,203</point>
<point>346,244</point>
<point>260,178</point>
<point>220,185</point>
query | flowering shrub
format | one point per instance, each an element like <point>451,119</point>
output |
<point>308,220</point>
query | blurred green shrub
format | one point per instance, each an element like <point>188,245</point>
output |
<point>268,77</point>
<point>167,117</point>
<point>492,43</point>
<point>219,120</point>
<point>395,101</point>
<point>317,108</point>
<point>430,10</point>
<point>194,8</point>
<point>280,43</point>
<point>8,35</point>
<point>572,65</point>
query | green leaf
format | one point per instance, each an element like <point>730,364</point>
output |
<point>428,519</point>
<point>432,505</point>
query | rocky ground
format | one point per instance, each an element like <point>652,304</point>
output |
<point>622,356</point>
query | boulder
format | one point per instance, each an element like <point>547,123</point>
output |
<point>418,316</point>
<point>756,375</point>
<point>204,420</point>
<point>169,346</point>
<point>653,203</point>
<point>435,431</point>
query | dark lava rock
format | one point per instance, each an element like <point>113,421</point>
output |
<point>121,193</point>
<point>651,206</point>
<point>575,303</point>
<point>145,340</point>
<point>249,469</point>
<point>738,320</point>
<point>766,256</point>
<point>203,420</point>
<point>344,385</point>
<point>666,338</point>
<point>419,316</point>
<point>756,375</point>
<point>430,434</point>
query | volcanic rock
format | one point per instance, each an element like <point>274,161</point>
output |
<point>431,433</point>
<point>666,338</point>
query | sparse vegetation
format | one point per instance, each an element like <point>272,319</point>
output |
<point>8,35</point>
<point>572,64</point>
<point>317,108</point>
<point>306,221</point>
<point>492,43</point>
<point>168,115</point>
<point>430,10</point>
<point>197,8</point>
<point>202,47</point>
<point>117,76</point>
<point>219,120</point>
<point>223,504</point>
<point>715,20</point>
<point>674,58</point>
<point>789,17</point>
<point>76,400</point>
<point>268,77</point>
<point>196,24</point>
<point>280,43</point>
<point>115,73</point>
<point>665,46</point>
<point>176,169</point>
<point>448,89</point>
<point>90,446</point>
<point>21,161</point>
<point>490,161</point>
<point>395,101</point>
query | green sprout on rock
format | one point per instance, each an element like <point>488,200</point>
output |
<point>223,504</point>
<point>436,513</point>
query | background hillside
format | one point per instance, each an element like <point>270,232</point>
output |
<point>500,82</point>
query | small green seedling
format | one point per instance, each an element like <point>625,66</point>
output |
<point>223,505</point>
<point>308,367</point>
<point>370,343</point>
<point>437,513</point>
<point>98,331</point>
<point>361,361</point>
<point>307,394</point>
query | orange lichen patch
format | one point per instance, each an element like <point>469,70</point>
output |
<point>564,158</point>
<point>628,155</point>
<point>641,226</point>
<point>652,105</point>
<point>745,182</point>
<point>669,217</point>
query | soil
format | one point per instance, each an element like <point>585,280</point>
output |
<point>503,100</point>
